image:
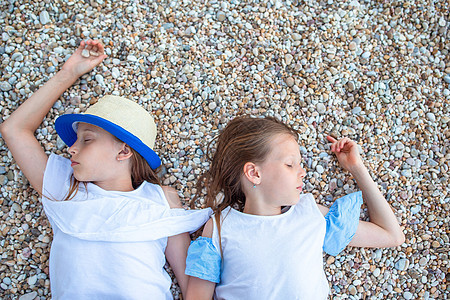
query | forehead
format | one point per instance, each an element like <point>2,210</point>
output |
<point>80,126</point>
<point>283,145</point>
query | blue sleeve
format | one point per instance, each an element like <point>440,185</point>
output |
<point>203,260</point>
<point>342,221</point>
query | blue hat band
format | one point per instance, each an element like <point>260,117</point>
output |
<point>64,128</point>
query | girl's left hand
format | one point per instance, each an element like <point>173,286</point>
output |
<point>347,153</point>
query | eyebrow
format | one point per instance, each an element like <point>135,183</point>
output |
<point>87,129</point>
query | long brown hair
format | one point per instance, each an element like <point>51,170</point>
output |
<point>244,139</point>
<point>140,172</point>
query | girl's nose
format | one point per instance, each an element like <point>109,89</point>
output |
<point>73,149</point>
<point>302,172</point>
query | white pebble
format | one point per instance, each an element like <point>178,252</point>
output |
<point>85,53</point>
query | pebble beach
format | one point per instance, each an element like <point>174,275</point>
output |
<point>377,72</point>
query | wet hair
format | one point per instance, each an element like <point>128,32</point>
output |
<point>140,172</point>
<point>244,139</point>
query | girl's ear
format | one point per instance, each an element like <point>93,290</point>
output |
<point>125,153</point>
<point>251,172</point>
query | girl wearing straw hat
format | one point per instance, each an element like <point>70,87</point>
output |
<point>113,223</point>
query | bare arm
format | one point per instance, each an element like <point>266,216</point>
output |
<point>177,245</point>
<point>18,130</point>
<point>199,289</point>
<point>383,229</point>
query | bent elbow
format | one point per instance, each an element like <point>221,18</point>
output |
<point>3,130</point>
<point>398,238</point>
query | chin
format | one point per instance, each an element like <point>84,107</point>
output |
<point>293,202</point>
<point>79,177</point>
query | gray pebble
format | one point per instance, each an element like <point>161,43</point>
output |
<point>410,161</point>
<point>44,17</point>
<point>406,173</point>
<point>296,37</point>
<point>447,78</point>
<point>351,86</point>
<point>212,105</point>
<point>17,56</point>
<point>59,143</point>
<point>5,37</point>
<point>407,295</point>
<point>167,26</point>
<point>221,16</point>
<point>366,55</point>
<point>57,105</point>
<point>357,110</point>
<point>32,280</point>
<point>12,80</point>
<point>414,114</point>
<point>431,117</point>
<point>402,264</point>
<point>320,108</point>
<point>16,207</point>
<point>24,70</point>
<point>99,79</point>
<point>319,169</point>
<point>432,163</point>
<point>288,58</point>
<point>132,58</point>
<point>5,86</point>
<point>115,72</point>
<point>289,81</point>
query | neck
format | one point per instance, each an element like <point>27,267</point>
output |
<point>120,185</point>
<point>259,208</point>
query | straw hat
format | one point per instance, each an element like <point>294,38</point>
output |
<point>123,118</point>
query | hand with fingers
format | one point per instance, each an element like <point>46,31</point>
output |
<point>347,153</point>
<point>78,64</point>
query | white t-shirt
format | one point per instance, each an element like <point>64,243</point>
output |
<point>272,257</point>
<point>109,244</point>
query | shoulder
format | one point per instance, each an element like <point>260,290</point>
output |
<point>171,196</point>
<point>324,210</point>
<point>208,229</point>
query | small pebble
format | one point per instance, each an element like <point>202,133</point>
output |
<point>29,296</point>
<point>319,169</point>
<point>431,117</point>
<point>447,78</point>
<point>85,53</point>
<point>44,17</point>
<point>290,81</point>
<point>5,86</point>
<point>402,264</point>
<point>221,16</point>
<point>320,108</point>
<point>365,55</point>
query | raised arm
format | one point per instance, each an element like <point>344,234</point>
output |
<point>18,130</point>
<point>383,229</point>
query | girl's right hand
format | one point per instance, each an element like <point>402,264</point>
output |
<point>78,65</point>
<point>347,154</point>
